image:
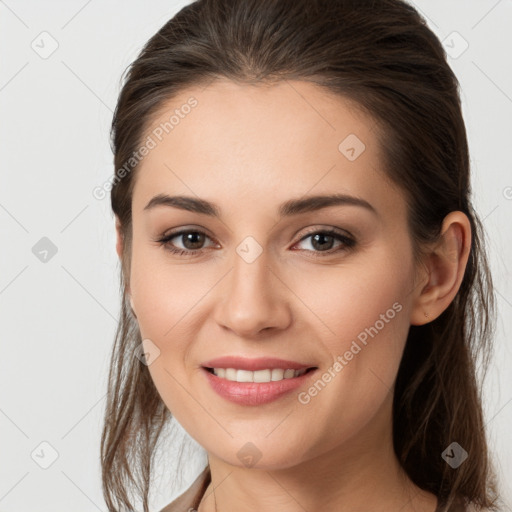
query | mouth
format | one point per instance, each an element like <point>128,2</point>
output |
<point>258,382</point>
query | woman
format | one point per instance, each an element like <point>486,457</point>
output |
<point>305,285</point>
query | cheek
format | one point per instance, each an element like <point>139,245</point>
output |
<point>166,294</point>
<point>362,312</point>
<point>164,298</point>
<point>361,300</point>
<point>170,301</point>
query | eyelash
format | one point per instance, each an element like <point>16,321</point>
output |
<point>347,242</point>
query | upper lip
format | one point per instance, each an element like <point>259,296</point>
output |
<point>254,364</point>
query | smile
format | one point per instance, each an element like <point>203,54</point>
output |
<point>250,388</point>
<point>267,375</point>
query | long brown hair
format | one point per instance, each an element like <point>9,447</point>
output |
<point>382,55</point>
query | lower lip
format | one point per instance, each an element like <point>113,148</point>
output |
<point>254,393</point>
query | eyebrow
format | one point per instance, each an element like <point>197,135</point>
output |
<point>286,209</point>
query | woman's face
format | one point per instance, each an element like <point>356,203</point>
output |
<point>265,278</point>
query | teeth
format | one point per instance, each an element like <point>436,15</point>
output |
<point>270,375</point>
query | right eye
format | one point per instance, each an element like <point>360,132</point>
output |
<point>192,241</point>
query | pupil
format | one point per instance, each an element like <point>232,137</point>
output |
<point>192,237</point>
<point>322,237</point>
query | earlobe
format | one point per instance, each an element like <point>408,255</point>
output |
<point>446,263</point>
<point>119,239</point>
<point>132,306</point>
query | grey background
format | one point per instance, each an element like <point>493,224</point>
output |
<point>58,316</point>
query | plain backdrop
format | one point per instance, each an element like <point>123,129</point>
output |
<point>61,64</point>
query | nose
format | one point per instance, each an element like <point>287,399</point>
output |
<point>252,298</point>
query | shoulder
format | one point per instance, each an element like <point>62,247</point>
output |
<point>192,496</point>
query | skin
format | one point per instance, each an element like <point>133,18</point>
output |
<point>248,149</point>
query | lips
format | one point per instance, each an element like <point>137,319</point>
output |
<point>255,364</point>
<point>255,381</point>
<point>253,393</point>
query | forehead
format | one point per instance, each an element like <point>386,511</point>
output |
<point>263,144</point>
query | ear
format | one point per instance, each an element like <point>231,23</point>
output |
<point>445,264</point>
<point>119,239</point>
<point>119,249</point>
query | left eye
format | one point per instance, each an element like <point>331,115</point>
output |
<point>321,242</point>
